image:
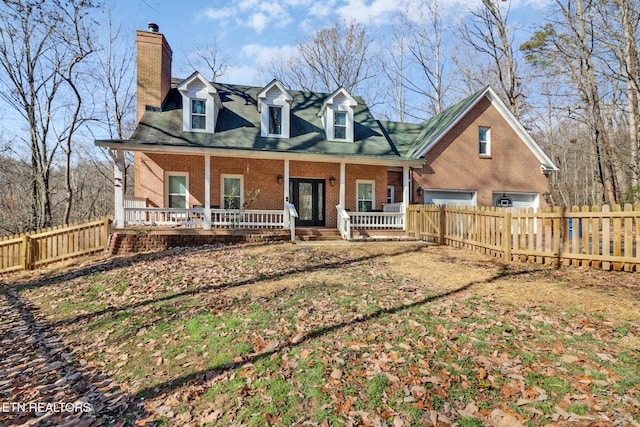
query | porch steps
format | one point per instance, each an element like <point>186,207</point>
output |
<point>317,234</point>
<point>360,235</point>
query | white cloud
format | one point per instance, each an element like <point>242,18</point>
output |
<point>218,14</point>
<point>258,22</point>
<point>376,12</point>
<point>242,75</point>
<point>263,55</point>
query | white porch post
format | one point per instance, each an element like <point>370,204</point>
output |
<point>343,185</point>
<point>406,199</point>
<point>285,194</point>
<point>207,192</point>
<point>118,187</point>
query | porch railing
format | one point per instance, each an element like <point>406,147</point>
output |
<point>344,223</point>
<point>194,217</point>
<point>377,220</point>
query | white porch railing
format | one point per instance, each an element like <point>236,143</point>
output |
<point>344,223</point>
<point>220,218</point>
<point>377,220</point>
<point>290,215</point>
<point>393,207</point>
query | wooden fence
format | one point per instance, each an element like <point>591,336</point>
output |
<point>597,237</point>
<point>32,250</point>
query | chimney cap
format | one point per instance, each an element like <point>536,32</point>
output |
<point>153,27</point>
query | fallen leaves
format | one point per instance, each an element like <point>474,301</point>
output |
<point>283,336</point>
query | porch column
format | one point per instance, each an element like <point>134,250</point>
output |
<point>343,185</point>
<point>207,192</point>
<point>406,197</point>
<point>118,187</point>
<point>285,193</point>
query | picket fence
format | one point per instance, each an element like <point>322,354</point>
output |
<point>597,237</point>
<point>32,250</point>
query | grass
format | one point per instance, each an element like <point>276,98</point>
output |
<point>280,335</point>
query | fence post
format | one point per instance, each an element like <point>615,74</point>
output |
<point>441,225</point>
<point>506,235</point>
<point>26,252</point>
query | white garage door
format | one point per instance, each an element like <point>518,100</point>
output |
<point>518,200</point>
<point>450,197</point>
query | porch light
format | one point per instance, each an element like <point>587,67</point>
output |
<point>420,191</point>
<point>279,178</point>
<point>332,181</point>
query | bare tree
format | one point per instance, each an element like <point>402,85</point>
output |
<point>38,43</point>
<point>426,49</point>
<point>567,48</point>
<point>333,57</point>
<point>210,58</point>
<point>489,33</point>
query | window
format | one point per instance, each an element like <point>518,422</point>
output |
<point>484,142</point>
<point>339,125</point>
<point>391,194</point>
<point>366,200</point>
<point>198,114</point>
<point>177,195</point>
<point>275,120</point>
<point>231,191</point>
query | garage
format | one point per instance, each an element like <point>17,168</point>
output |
<point>450,197</point>
<point>515,199</point>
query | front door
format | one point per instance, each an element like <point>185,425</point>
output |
<point>307,195</point>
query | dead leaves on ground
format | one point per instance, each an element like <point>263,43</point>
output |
<point>346,341</point>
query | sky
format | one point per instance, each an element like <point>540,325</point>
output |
<point>252,32</point>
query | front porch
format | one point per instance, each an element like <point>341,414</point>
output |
<point>351,225</point>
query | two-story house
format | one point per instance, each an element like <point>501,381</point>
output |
<point>217,155</point>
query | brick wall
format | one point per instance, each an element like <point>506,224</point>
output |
<point>139,241</point>
<point>258,174</point>
<point>454,162</point>
<point>394,178</point>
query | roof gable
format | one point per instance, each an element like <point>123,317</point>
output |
<point>439,125</point>
<point>340,96</point>
<point>196,83</point>
<point>275,84</point>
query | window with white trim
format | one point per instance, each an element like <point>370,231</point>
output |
<point>232,191</point>
<point>275,120</point>
<point>391,194</point>
<point>484,141</point>
<point>339,125</point>
<point>366,195</point>
<point>198,114</point>
<point>177,190</point>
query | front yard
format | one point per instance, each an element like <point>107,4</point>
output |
<point>373,334</point>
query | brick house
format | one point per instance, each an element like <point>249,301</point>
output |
<point>221,155</point>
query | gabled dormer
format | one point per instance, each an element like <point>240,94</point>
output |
<point>337,116</point>
<point>274,106</point>
<point>200,104</point>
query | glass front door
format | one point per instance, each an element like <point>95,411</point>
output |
<point>307,195</point>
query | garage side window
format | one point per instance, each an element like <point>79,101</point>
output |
<point>484,141</point>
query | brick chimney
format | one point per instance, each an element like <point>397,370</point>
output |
<point>154,69</point>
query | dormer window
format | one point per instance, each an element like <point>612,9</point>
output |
<point>275,120</point>
<point>337,114</point>
<point>339,125</point>
<point>200,104</point>
<point>274,105</point>
<point>198,114</point>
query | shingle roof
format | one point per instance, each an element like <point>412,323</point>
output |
<point>238,127</point>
